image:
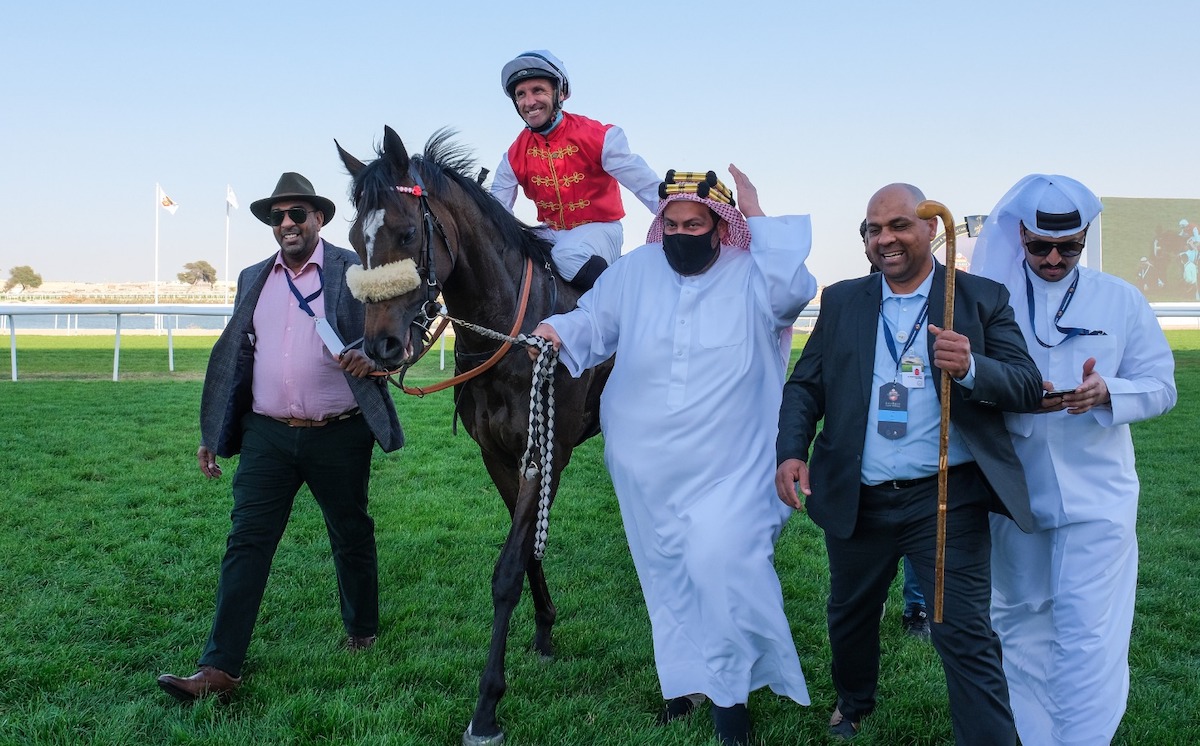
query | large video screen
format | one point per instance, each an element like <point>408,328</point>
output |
<point>1154,244</point>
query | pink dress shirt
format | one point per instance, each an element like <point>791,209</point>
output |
<point>294,375</point>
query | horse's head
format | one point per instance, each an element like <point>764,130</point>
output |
<point>403,250</point>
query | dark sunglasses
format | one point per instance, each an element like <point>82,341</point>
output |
<point>1043,248</point>
<point>297,214</point>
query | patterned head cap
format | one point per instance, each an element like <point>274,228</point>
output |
<point>708,190</point>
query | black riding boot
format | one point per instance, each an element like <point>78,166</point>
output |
<point>732,725</point>
<point>587,274</point>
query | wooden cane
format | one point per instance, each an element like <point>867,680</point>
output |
<point>926,210</point>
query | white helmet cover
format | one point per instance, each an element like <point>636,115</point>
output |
<point>538,63</point>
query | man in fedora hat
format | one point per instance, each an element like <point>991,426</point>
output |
<point>282,390</point>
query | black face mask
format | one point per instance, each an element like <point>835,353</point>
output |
<point>690,255</point>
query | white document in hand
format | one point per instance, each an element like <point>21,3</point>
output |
<point>333,343</point>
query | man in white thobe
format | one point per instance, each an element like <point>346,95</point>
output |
<point>696,318</point>
<point>1063,596</point>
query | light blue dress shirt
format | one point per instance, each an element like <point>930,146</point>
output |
<point>915,454</point>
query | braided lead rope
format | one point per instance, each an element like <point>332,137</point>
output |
<point>539,447</point>
<point>541,434</point>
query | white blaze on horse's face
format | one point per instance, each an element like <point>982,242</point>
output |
<point>372,222</point>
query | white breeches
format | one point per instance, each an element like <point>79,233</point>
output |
<point>573,247</point>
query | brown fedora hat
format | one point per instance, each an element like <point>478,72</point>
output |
<point>292,186</point>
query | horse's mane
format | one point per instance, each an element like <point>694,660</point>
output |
<point>446,163</point>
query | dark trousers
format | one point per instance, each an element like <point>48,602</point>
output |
<point>335,462</point>
<point>903,522</point>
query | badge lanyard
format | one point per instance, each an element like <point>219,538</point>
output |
<point>1070,331</point>
<point>912,337</point>
<point>893,397</point>
<point>303,299</point>
<point>328,336</point>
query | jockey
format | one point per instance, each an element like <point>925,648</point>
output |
<point>1191,233</point>
<point>570,166</point>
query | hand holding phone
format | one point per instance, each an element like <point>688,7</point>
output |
<point>1058,392</point>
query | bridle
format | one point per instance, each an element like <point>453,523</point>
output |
<point>431,310</point>
<point>430,307</point>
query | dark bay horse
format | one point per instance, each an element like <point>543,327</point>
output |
<point>424,225</point>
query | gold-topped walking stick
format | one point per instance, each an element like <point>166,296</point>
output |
<point>930,209</point>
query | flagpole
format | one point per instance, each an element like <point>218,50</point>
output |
<point>157,205</point>
<point>228,189</point>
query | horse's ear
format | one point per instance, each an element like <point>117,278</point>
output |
<point>394,150</point>
<point>353,165</point>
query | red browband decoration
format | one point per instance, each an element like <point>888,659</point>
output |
<point>413,190</point>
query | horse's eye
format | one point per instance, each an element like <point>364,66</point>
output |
<point>408,236</point>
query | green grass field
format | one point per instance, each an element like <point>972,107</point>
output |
<point>110,541</point>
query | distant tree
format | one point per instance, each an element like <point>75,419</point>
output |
<point>195,273</point>
<point>23,276</point>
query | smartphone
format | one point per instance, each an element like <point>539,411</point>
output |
<point>1058,392</point>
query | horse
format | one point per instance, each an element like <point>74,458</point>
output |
<point>423,226</point>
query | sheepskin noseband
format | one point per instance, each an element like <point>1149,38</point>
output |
<point>384,282</point>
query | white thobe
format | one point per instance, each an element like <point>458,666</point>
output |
<point>1063,596</point>
<point>574,246</point>
<point>689,418</point>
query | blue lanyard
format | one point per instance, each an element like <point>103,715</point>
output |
<point>912,337</point>
<point>304,300</point>
<point>1070,331</point>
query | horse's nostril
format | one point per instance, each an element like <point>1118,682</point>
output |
<point>387,350</point>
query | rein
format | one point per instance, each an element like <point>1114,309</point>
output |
<point>538,459</point>
<point>508,341</point>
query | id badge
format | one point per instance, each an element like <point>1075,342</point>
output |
<point>893,410</point>
<point>333,343</point>
<point>912,371</point>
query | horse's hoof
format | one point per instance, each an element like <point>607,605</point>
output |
<point>470,739</point>
<point>544,647</point>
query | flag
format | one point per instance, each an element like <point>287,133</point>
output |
<point>167,203</point>
<point>230,197</point>
<point>975,224</point>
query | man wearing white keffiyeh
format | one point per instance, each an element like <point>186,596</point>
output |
<point>1063,596</point>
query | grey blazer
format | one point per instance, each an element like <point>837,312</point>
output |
<point>226,396</point>
<point>832,380</point>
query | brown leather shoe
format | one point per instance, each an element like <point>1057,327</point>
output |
<point>207,682</point>
<point>358,644</point>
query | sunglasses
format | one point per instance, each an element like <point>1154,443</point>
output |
<point>297,214</point>
<point>1065,249</point>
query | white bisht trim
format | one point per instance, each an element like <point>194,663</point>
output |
<point>383,283</point>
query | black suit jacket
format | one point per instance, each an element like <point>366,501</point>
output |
<point>832,380</point>
<point>226,394</point>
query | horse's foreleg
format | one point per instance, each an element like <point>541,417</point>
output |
<point>544,612</point>
<point>507,580</point>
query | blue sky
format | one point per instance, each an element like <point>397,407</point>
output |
<point>820,105</point>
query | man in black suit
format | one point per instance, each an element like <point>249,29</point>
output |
<point>871,369</point>
<point>282,391</point>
